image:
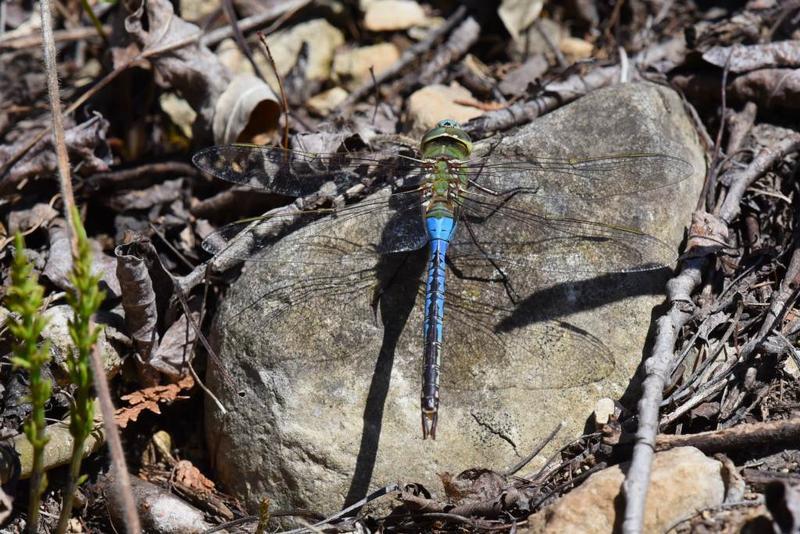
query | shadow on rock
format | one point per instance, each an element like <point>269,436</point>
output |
<point>568,298</point>
<point>398,283</point>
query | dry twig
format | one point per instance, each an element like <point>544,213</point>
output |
<point>557,94</point>
<point>65,179</point>
<point>741,180</point>
<point>461,40</point>
<point>657,367</point>
<point>743,436</point>
<point>406,59</point>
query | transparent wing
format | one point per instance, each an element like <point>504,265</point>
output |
<point>592,177</point>
<point>507,232</point>
<point>381,224</point>
<point>297,173</point>
<point>520,357</point>
<point>474,349</point>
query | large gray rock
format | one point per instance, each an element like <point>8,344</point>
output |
<point>324,396</point>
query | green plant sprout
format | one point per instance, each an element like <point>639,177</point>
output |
<point>24,300</point>
<point>85,298</point>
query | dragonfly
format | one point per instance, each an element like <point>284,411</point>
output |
<point>464,209</point>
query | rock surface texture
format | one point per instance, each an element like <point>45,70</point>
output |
<point>323,390</point>
<point>683,482</point>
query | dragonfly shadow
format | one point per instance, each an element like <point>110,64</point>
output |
<point>398,277</point>
<point>566,298</point>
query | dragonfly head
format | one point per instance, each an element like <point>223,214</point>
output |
<point>446,139</point>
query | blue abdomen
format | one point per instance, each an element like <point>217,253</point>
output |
<point>440,230</point>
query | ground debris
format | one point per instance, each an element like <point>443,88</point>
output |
<point>727,351</point>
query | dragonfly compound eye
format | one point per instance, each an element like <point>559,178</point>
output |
<point>448,123</point>
<point>447,132</point>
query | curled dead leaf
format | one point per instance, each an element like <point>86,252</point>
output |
<point>517,15</point>
<point>174,351</point>
<point>138,299</point>
<point>192,70</point>
<point>247,109</point>
<point>59,261</point>
<point>191,478</point>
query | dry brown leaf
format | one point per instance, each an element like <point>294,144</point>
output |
<point>138,298</point>
<point>59,261</point>
<point>175,350</point>
<point>24,220</point>
<point>86,143</point>
<point>191,478</point>
<point>193,70</point>
<point>124,415</point>
<point>148,399</point>
<point>142,199</point>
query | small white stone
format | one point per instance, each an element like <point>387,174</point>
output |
<point>179,111</point>
<point>575,48</point>
<point>321,38</point>
<point>389,15</point>
<point>353,65</point>
<point>324,102</point>
<point>603,410</point>
<point>431,104</point>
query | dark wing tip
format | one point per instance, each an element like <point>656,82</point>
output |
<point>204,160</point>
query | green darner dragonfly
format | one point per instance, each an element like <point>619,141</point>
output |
<point>465,209</point>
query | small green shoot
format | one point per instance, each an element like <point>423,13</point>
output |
<point>24,300</point>
<point>85,298</point>
<point>263,516</point>
<point>87,8</point>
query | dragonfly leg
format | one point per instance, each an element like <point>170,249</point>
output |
<point>503,277</point>
<point>506,197</point>
<point>509,192</point>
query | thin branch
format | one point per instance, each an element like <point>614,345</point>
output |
<point>708,193</point>
<point>284,102</point>
<point>764,160</point>
<point>459,42</point>
<point>62,158</point>
<point>238,36</point>
<point>65,180</point>
<point>522,463</point>
<point>742,436</point>
<point>122,482</point>
<point>657,367</point>
<point>557,95</point>
<point>34,39</point>
<point>273,222</point>
<point>280,11</point>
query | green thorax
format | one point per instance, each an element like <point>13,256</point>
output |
<point>445,142</point>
